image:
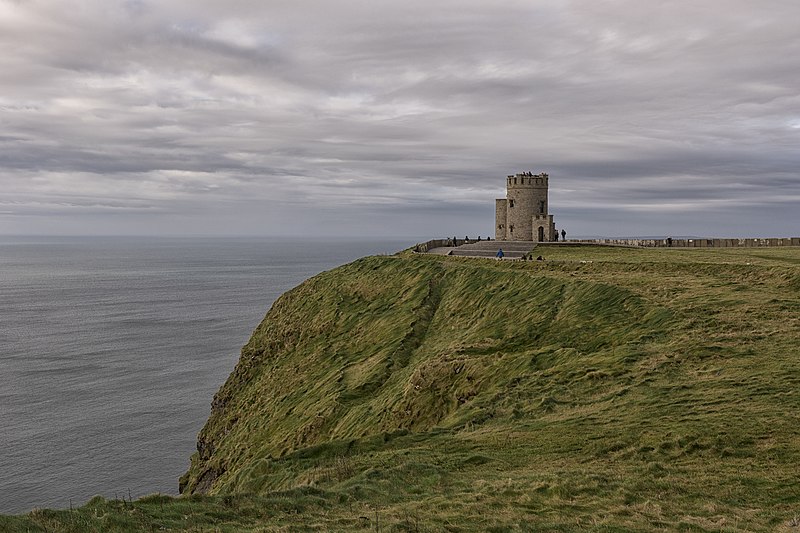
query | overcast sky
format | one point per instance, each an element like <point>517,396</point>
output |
<point>398,118</point>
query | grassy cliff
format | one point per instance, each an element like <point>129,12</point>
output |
<point>603,388</point>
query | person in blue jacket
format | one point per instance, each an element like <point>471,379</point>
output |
<point>499,254</point>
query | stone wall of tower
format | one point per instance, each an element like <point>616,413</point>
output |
<point>526,198</point>
<point>544,228</point>
<point>500,214</point>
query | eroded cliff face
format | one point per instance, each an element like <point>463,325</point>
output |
<point>389,346</point>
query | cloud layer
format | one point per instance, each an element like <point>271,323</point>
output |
<point>355,117</point>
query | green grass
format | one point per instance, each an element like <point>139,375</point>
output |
<point>607,389</point>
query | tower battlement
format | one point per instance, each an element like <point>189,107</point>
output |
<point>527,179</point>
<point>523,214</point>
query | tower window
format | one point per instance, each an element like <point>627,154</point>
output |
<point>511,203</point>
<point>541,206</point>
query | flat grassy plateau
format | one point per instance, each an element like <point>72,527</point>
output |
<point>601,389</point>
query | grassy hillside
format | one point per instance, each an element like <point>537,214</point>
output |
<point>603,388</point>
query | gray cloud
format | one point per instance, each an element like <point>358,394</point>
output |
<point>397,118</point>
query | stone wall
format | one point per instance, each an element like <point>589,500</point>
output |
<point>650,243</point>
<point>696,243</point>
<point>500,216</point>
<point>424,247</point>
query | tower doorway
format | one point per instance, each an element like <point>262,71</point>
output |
<point>541,234</point>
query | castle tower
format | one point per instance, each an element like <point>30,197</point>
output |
<point>522,215</point>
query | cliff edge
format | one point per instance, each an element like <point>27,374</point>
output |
<point>641,379</point>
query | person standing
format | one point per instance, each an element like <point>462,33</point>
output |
<point>499,254</point>
<point>563,235</point>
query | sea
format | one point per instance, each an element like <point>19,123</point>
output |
<point>111,350</point>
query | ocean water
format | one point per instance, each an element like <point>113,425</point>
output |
<point>111,351</point>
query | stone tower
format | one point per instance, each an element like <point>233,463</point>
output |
<point>522,215</point>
